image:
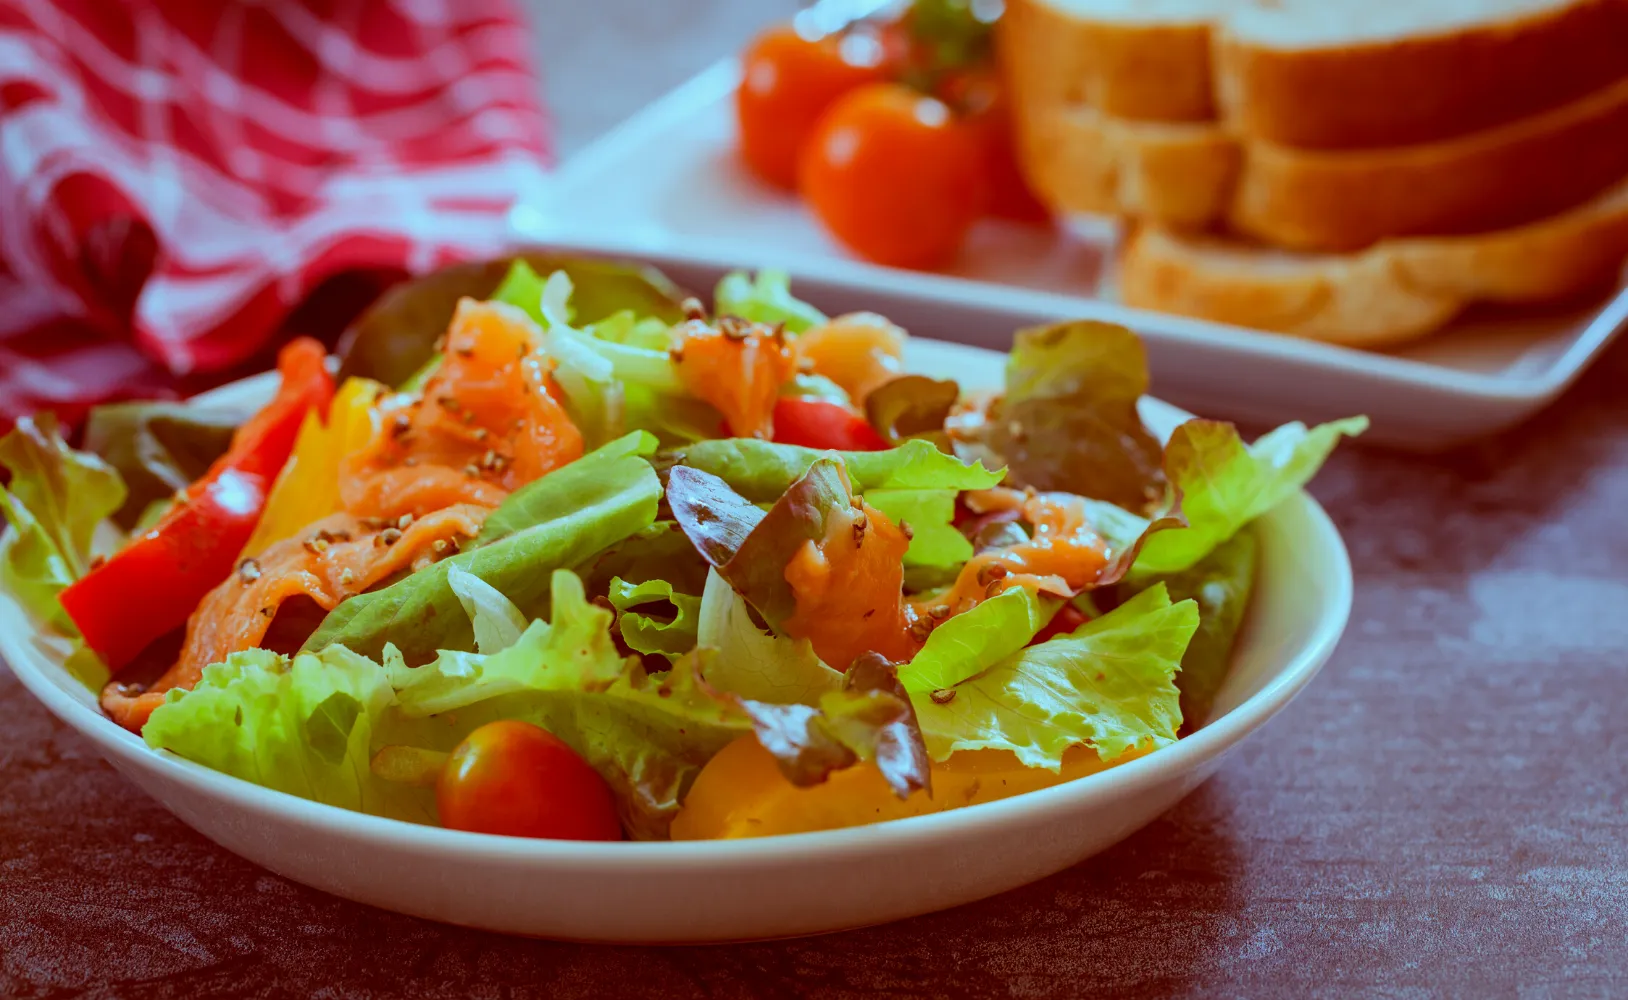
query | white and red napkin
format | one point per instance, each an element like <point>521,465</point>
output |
<point>176,176</point>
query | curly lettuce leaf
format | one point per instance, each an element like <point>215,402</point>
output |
<point>1069,421</point>
<point>56,499</point>
<point>1226,484</point>
<point>755,664</point>
<point>560,520</point>
<point>306,726</point>
<point>761,470</point>
<point>69,492</point>
<point>652,617</point>
<point>971,642</point>
<point>33,568</point>
<point>766,298</point>
<point>659,552</point>
<point>1109,685</point>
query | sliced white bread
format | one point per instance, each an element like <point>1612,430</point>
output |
<point>1196,175</point>
<point>1317,73</point>
<point>1180,174</point>
<point>1335,74</point>
<point>1395,291</point>
<point>1141,60</point>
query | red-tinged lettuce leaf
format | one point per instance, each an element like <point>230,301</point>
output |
<point>910,407</point>
<point>751,549</point>
<point>1068,420</point>
<point>758,568</point>
<point>394,338</point>
<point>159,448</point>
<point>714,517</point>
<point>870,719</point>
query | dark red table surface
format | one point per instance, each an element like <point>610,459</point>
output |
<point>1442,812</point>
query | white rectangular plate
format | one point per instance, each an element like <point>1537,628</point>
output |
<point>667,184</point>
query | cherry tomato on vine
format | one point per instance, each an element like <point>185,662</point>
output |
<point>894,175</point>
<point>980,98</point>
<point>519,780</point>
<point>787,81</point>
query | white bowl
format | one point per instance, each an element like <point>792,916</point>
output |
<point>747,889</point>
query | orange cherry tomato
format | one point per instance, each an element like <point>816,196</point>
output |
<point>895,176</point>
<point>787,81</point>
<point>515,779</point>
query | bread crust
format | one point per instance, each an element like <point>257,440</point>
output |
<point>1421,88</point>
<point>1489,180</point>
<point>1198,176</point>
<point>1136,70</point>
<point>1393,292</point>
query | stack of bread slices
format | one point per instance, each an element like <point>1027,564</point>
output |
<point>1357,171</point>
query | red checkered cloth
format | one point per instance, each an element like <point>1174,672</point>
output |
<point>177,175</point>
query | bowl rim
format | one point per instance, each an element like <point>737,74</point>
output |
<point>29,663</point>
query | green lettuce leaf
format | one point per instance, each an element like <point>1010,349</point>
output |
<point>56,499</point>
<point>659,552</point>
<point>159,448</point>
<point>647,734</point>
<point>766,298</point>
<point>761,470</point>
<point>1225,484</point>
<point>755,664</point>
<point>654,618</point>
<point>1109,685</point>
<point>33,568</point>
<point>971,642</point>
<point>397,335</point>
<point>1221,584</point>
<point>935,541</point>
<point>632,330</point>
<point>558,521</point>
<point>1069,421</point>
<point>497,623</point>
<point>304,726</point>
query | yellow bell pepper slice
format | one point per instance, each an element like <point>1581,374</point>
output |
<point>307,489</point>
<point>741,792</point>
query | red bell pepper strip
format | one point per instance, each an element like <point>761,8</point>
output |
<point>155,582</point>
<point>816,423</point>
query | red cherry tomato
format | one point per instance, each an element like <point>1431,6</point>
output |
<point>894,175</point>
<point>515,779</point>
<point>981,98</point>
<point>787,81</point>
<point>815,423</point>
<point>1067,619</point>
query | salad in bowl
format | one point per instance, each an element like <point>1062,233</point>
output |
<point>554,550</point>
